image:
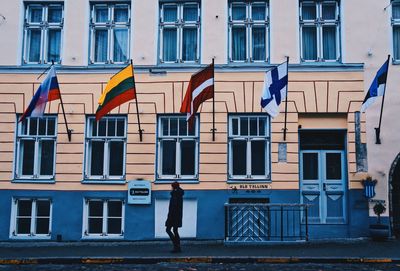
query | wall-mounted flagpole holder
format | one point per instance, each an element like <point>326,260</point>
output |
<point>378,129</point>
<point>137,106</point>
<point>69,131</point>
<point>286,100</point>
<point>213,104</point>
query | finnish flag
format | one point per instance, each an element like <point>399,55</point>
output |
<point>377,87</point>
<point>274,90</point>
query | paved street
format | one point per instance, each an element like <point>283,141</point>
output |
<point>205,267</point>
<point>347,255</point>
<point>134,252</point>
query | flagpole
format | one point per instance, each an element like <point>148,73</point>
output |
<point>69,132</point>
<point>213,129</point>
<point>378,129</point>
<point>286,101</point>
<point>137,106</point>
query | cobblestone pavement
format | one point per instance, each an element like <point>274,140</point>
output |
<point>204,267</point>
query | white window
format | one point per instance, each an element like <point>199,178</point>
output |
<point>43,33</point>
<point>248,31</point>
<point>36,148</point>
<point>110,31</point>
<point>178,148</point>
<point>105,148</point>
<point>319,31</point>
<point>31,218</point>
<point>249,147</point>
<point>396,29</point>
<point>179,32</point>
<point>103,218</point>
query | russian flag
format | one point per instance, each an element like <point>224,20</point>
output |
<point>47,91</point>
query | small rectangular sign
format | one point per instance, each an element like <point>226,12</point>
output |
<point>139,192</point>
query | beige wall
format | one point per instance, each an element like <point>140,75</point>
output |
<point>76,33</point>
<point>311,94</point>
<point>11,33</point>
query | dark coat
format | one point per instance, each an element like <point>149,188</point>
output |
<point>175,208</point>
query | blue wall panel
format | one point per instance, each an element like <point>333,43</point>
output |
<point>139,219</point>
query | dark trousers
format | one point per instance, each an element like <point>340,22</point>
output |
<point>174,236</point>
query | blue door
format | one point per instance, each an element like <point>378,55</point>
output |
<point>323,181</point>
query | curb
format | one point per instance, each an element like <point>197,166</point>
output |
<point>154,260</point>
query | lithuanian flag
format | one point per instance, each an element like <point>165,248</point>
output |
<point>120,89</point>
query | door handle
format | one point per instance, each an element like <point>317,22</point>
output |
<point>324,186</point>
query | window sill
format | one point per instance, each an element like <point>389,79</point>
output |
<point>43,181</point>
<point>396,61</point>
<point>109,65</point>
<point>169,181</point>
<point>96,237</point>
<point>47,237</point>
<point>120,182</point>
<point>232,181</point>
<point>316,223</point>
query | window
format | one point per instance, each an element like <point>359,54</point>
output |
<point>178,148</point>
<point>109,29</point>
<point>179,32</point>
<point>248,31</point>
<point>36,148</point>
<point>103,218</point>
<point>31,218</point>
<point>319,31</point>
<point>396,29</point>
<point>43,30</point>
<point>249,147</point>
<point>105,148</point>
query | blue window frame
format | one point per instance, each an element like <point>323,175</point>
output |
<point>36,149</point>
<point>249,147</point>
<point>319,31</point>
<point>43,33</point>
<point>396,30</point>
<point>248,31</point>
<point>110,31</point>
<point>179,32</point>
<point>178,148</point>
<point>105,148</point>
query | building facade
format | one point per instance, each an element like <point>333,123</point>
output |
<point>55,189</point>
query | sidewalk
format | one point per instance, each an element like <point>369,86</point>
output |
<point>196,251</point>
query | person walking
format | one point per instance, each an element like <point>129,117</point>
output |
<point>174,219</point>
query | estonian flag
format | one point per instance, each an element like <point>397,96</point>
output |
<point>274,90</point>
<point>377,87</point>
<point>47,91</point>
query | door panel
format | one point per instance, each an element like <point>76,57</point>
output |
<point>322,184</point>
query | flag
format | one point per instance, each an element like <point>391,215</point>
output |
<point>200,89</point>
<point>120,89</point>
<point>47,91</point>
<point>377,87</point>
<point>274,90</point>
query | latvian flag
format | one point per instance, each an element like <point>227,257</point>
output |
<point>47,91</point>
<point>200,89</point>
<point>377,87</point>
<point>120,89</point>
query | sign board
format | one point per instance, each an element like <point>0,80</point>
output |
<point>250,186</point>
<point>139,192</point>
<point>377,201</point>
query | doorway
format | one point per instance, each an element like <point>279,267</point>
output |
<point>323,175</point>
<point>394,197</point>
